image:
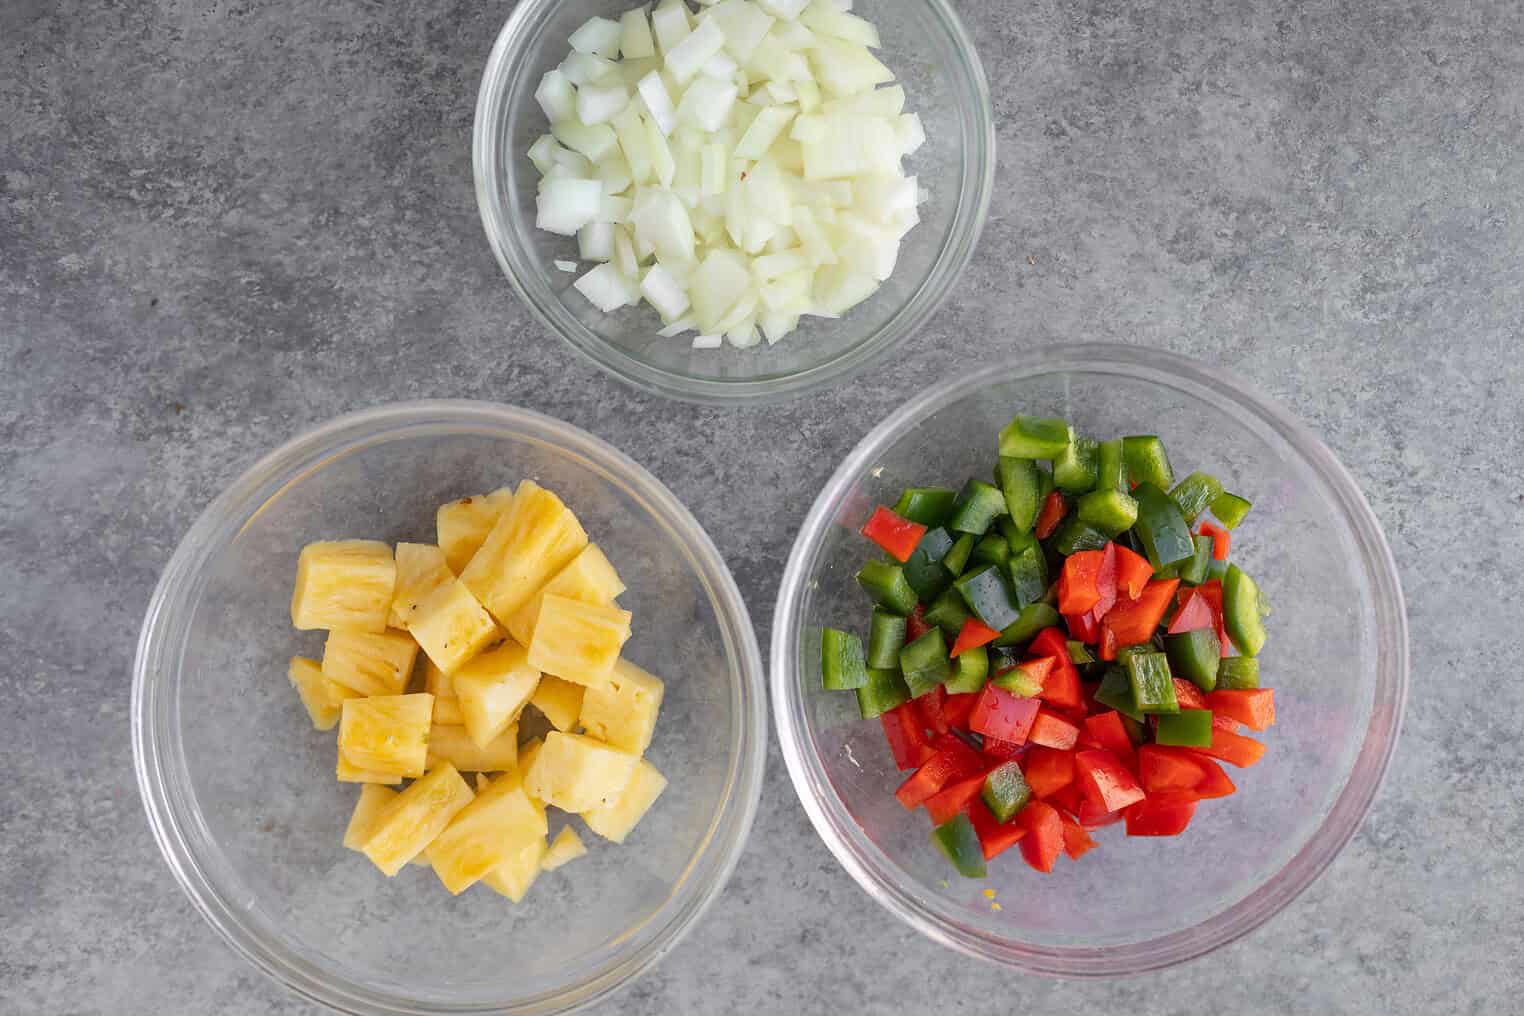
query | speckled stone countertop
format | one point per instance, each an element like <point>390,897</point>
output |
<point>222,222</point>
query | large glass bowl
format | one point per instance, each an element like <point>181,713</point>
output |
<point>240,789</point>
<point>1337,657</point>
<point>934,58</point>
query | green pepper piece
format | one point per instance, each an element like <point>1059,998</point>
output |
<point>1021,486</point>
<point>1034,618</point>
<point>924,569</point>
<point>1005,790</point>
<point>886,583</point>
<point>970,669</point>
<point>958,841</point>
<point>1035,437</point>
<point>1161,528</point>
<point>886,637</point>
<point>1110,511</point>
<point>1240,611</point>
<point>1216,570</point>
<point>885,690</point>
<point>1074,471</point>
<point>1230,509</point>
<point>1019,681</point>
<point>988,595</point>
<point>1028,574</point>
<point>929,506</point>
<point>1195,494</point>
<point>1195,655</point>
<point>1193,570</point>
<point>1189,728</point>
<point>957,559</point>
<point>947,612</point>
<point>1074,534</point>
<point>1136,732</point>
<point>1111,466</point>
<point>992,548</point>
<point>1078,654</point>
<point>978,506</point>
<point>1238,673</point>
<point>1152,684</point>
<point>1146,461</point>
<point>841,661</point>
<point>924,663</point>
<point>1116,691</point>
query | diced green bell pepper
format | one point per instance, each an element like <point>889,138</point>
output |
<point>970,670</point>
<point>886,637</point>
<point>958,841</point>
<point>1078,654</point>
<point>1240,611</point>
<point>1189,728</point>
<point>1110,466</point>
<point>1161,528</point>
<point>1193,570</point>
<point>1146,461</point>
<point>885,690</point>
<point>924,663</point>
<point>948,612</point>
<point>1153,687</point>
<point>929,506</point>
<point>1074,534</point>
<point>1238,673</point>
<point>988,595</point>
<point>1005,790</point>
<point>957,559</point>
<point>886,583</point>
<point>992,548</point>
<point>1110,511</point>
<point>1018,681</point>
<point>1028,574</point>
<point>1034,618</point>
<point>1195,494</point>
<point>1035,437</point>
<point>978,506</point>
<point>1195,655</point>
<point>1230,509</point>
<point>842,667</point>
<point>1116,691</point>
<point>924,569</point>
<point>1074,471</point>
<point>1021,486</point>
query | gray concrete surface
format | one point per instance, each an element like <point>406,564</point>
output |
<point>221,222</point>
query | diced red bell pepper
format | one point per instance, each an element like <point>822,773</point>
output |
<point>1108,643</point>
<point>1077,841</point>
<point>1093,817</point>
<point>972,635</point>
<point>995,837</point>
<point>1053,731</point>
<point>999,750</point>
<point>1107,582</point>
<point>1052,513</point>
<point>1039,670</point>
<point>1222,540</point>
<point>915,624</point>
<point>929,708</point>
<point>1134,621</point>
<point>1222,721</point>
<point>907,741</point>
<point>1106,731</point>
<point>1048,770</point>
<point>1067,799</point>
<point>1062,685</point>
<point>1162,769</point>
<point>1188,695</point>
<point>1050,642</point>
<point>952,762</point>
<point>1044,840</point>
<point>1105,781</point>
<point>898,536</point>
<point>1215,783</point>
<point>1161,815</point>
<point>947,803</point>
<point>998,713</point>
<point>1079,584</point>
<point>1234,749</point>
<point>1195,613</point>
<point>1133,573</point>
<point>957,707</point>
<point>1084,627</point>
<point>1212,590</point>
<point>1253,707</point>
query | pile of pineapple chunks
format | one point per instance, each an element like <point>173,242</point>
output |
<point>512,608</point>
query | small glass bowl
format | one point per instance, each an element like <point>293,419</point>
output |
<point>932,55</point>
<point>1337,657</point>
<point>240,789</point>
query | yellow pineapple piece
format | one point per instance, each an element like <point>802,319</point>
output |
<point>412,819</point>
<point>421,569</point>
<point>362,822</point>
<point>447,713</point>
<point>622,711</point>
<point>560,701</point>
<point>437,683</point>
<point>567,846</point>
<point>577,773</point>
<point>493,689</point>
<point>370,663</point>
<point>488,831</point>
<point>463,525</point>
<point>346,772</point>
<point>530,542</point>
<point>453,745</point>
<point>587,577</point>
<point>387,733</point>
<point>578,641</point>
<point>343,584</point>
<point>514,876</point>
<point>614,821</point>
<point>323,698</point>
<point>451,626</point>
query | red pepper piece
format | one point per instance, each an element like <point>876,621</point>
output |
<point>1133,573</point>
<point>1222,721</point>
<point>1044,840</point>
<point>1050,642</point>
<point>1134,621</point>
<point>947,803</point>
<point>1079,584</point>
<point>1077,842</point>
<point>1084,627</point>
<point>1106,582</point>
<point>1062,688</point>
<point>1108,643</point>
<point>898,536</point>
<point>1092,817</point>
<point>1234,749</point>
<point>1213,592</point>
<point>908,743</point>
<point>1002,751</point>
<point>998,713</point>
<point>1052,731</point>
<point>1039,670</point>
<point>1105,781</point>
<point>1048,770</point>
<point>1188,695</point>
<point>1215,783</point>
<point>1162,769</point>
<point>952,762</point>
<point>994,836</point>
<point>957,707</point>
<point>1106,731</point>
<point>1253,707</point>
<point>972,635</point>
<point>915,624</point>
<point>1052,513</point>
<point>1195,613</point>
<point>929,708</point>
<point>1067,799</point>
<point>1162,815</point>
<point>1222,540</point>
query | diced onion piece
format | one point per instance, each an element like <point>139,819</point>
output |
<point>635,143</point>
<point>880,196</point>
<point>635,40</point>
<point>770,266</point>
<point>793,35</point>
<point>776,62</point>
<point>595,241</point>
<point>743,336</point>
<point>911,133</point>
<point>777,326</point>
<point>785,9</point>
<point>661,223</point>
<point>599,36</point>
<point>682,324</point>
<point>664,293</point>
<point>744,25</point>
<point>663,166</point>
<point>556,96</point>
<point>888,101</point>
<point>624,253</point>
<point>671,25</point>
<point>843,68</point>
<point>585,68</point>
<point>809,95</point>
<point>812,240</point>
<point>594,141</point>
<point>707,341</point>
<point>845,146</point>
<point>789,293</point>
<point>841,25</point>
<point>685,59</point>
<point>838,289</point>
<point>614,173</point>
<point>653,91</point>
<point>868,248</point>
<point>543,153</point>
<point>605,288</point>
<point>764,130</point>
<point>739,315</point>
<point>715,160</point>
<point>570,267</point>
<point>601,103</point>
<point>719,282</point>
<point>614,208</point>
<point>565,206</point>
<point>707,103</point>
<point>720,66</point>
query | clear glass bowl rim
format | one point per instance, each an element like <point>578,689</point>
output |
<point>883,881</point>
<point>968,223</point>
<point>165,630</point>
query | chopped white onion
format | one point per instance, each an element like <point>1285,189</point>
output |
<point>556,96</point>
<point>635,41</point>
<point>570,267</point>
<point>671,24</point>
<point>595,241</point>
<point>664,293</point>
<point>707,103</point>
<point>682,324</point>
<point>605,288</point>
<point>565,206</point>
<point>599,36</point>
<point>786,9</point>
<point>653,91</point>
<point>594,141</point>
<point>601,103</point>
<point>707,341</point>
<point>743,24</point>
<point>685,59</point>
<point>585,68</point>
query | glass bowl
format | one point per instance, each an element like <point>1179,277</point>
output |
<point>240,789</point>
<point>933,57</point>
<point>1337,657</point>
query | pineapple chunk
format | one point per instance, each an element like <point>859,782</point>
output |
<point>588,577</point>
<point>412,819</point>
<point>447,713</point>
<point>347,772</point>
<point>343,584</point>
<point>533,540</point>
<point>323,698</point>
<point>500,822</point>
<point>371,664</point>
<point>560,701</point>
<point>528,752</point>
<point>567,846</point>
<point>576,773</point>
<point>492,690</point>
<point>578,641</point>
<point>514,876</point>
<point>421,569</point>
<point>387,733</point>
<point>622,711</point>
<point>615,820</point>
<point>453,745</point>
<point>451,626</point>
<point>373,800</point>
<point>463,525</point>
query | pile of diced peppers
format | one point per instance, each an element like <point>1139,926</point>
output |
<point>1061,649</point>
